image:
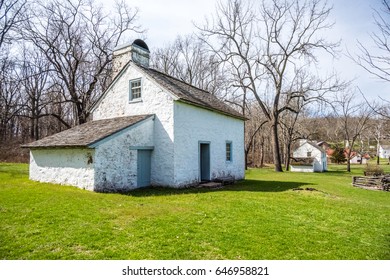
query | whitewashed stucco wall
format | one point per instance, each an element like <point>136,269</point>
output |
<point>320,162</point>
<point>154,101</point>
<point>115,161</point>
<point>72,167</point>
<point>178,128</point>
<point>384,151</point>
<point>194,124</point>
<point>110,167</point>
<point>301,168</point>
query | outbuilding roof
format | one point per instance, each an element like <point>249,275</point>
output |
<point>87,134</point>
<point>306,161</point>
<point>191,94</point>
<point>313,144</point>
<point>182,91</point>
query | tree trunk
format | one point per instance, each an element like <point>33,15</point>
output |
<point>3,131</point>
<point>246,158</point>
<point>287,159</point>
<point>349,161</point>
<point>276,147</point>
<point>32,128</point>
<point>261,153</point>
<point>81,115</point>
<point>36,129</point>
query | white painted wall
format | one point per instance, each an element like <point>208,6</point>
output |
<point>384,151</point>
<point>115,162</point>
<point>356,160</point>
<point>178,128</point>
<point>63,166</point>
<point>194,124</point>
<point>110,167</point>
<point>320,161</point>
<point>301,168</point>
<point>154,101</point>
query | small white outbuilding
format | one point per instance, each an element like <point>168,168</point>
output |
<point>308,157</point>
<point>384,151</point>
<point>148,128</point>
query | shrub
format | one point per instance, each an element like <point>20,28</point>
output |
<point>373,170</point>
<point>338,155</point>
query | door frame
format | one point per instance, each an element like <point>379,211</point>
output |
<point>148,156</point>
<point>142,148</point>
<point>200,143</point>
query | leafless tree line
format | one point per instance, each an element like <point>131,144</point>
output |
<point>55,60</point>
<point>260,56</point>
<point>268,53</point>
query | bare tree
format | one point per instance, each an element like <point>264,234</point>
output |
<point>188,60</point>
<point>253,126</point>
<point>9,96</point>
<point>378,131</point>
<point>10,19</point>
<point>291,119</point>
<point>37,89</point>
<point>377,61</point>
<point>354,117</point>
<point>290,134</point>
<point>77,38</point>
<point>273,48</point>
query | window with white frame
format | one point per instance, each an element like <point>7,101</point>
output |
<point>135,89</point>
<point>308,154</point>
<point>229,151</point>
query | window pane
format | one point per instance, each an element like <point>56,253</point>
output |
<point>228,151</point>
<point>137,93</point>
<point>135,89</point>
<point>136,84</point>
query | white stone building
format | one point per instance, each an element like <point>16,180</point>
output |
<point>309,157</point>
<point>148,128</point>
<point>357,158</point>
<point>384,151</point>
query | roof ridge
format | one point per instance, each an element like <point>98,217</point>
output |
<point>194,93</point>
<point>183,91</point>
<point>177,79</point>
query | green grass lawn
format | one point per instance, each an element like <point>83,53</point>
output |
<point>260,218</point>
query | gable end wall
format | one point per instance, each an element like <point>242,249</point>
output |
<point>115,161</point>
<point>156,101</point>
<point>319,157</point>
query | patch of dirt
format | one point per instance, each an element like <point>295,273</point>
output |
<point>305,189</point>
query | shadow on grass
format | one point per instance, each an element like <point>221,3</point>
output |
<point>241,186</point>
<point>337,172</point>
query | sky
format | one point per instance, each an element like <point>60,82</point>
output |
<point>164,20</point>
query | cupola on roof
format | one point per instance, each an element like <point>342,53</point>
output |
<point>141,44</point>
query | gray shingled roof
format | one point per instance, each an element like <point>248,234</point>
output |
<point>305,161</point>
<point>87,134</point>
<point>316,146</point>
<point>190,94</point>
<point>182,91</point>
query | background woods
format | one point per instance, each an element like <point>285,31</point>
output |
<point>262,57</point>
<point>55,60</point>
